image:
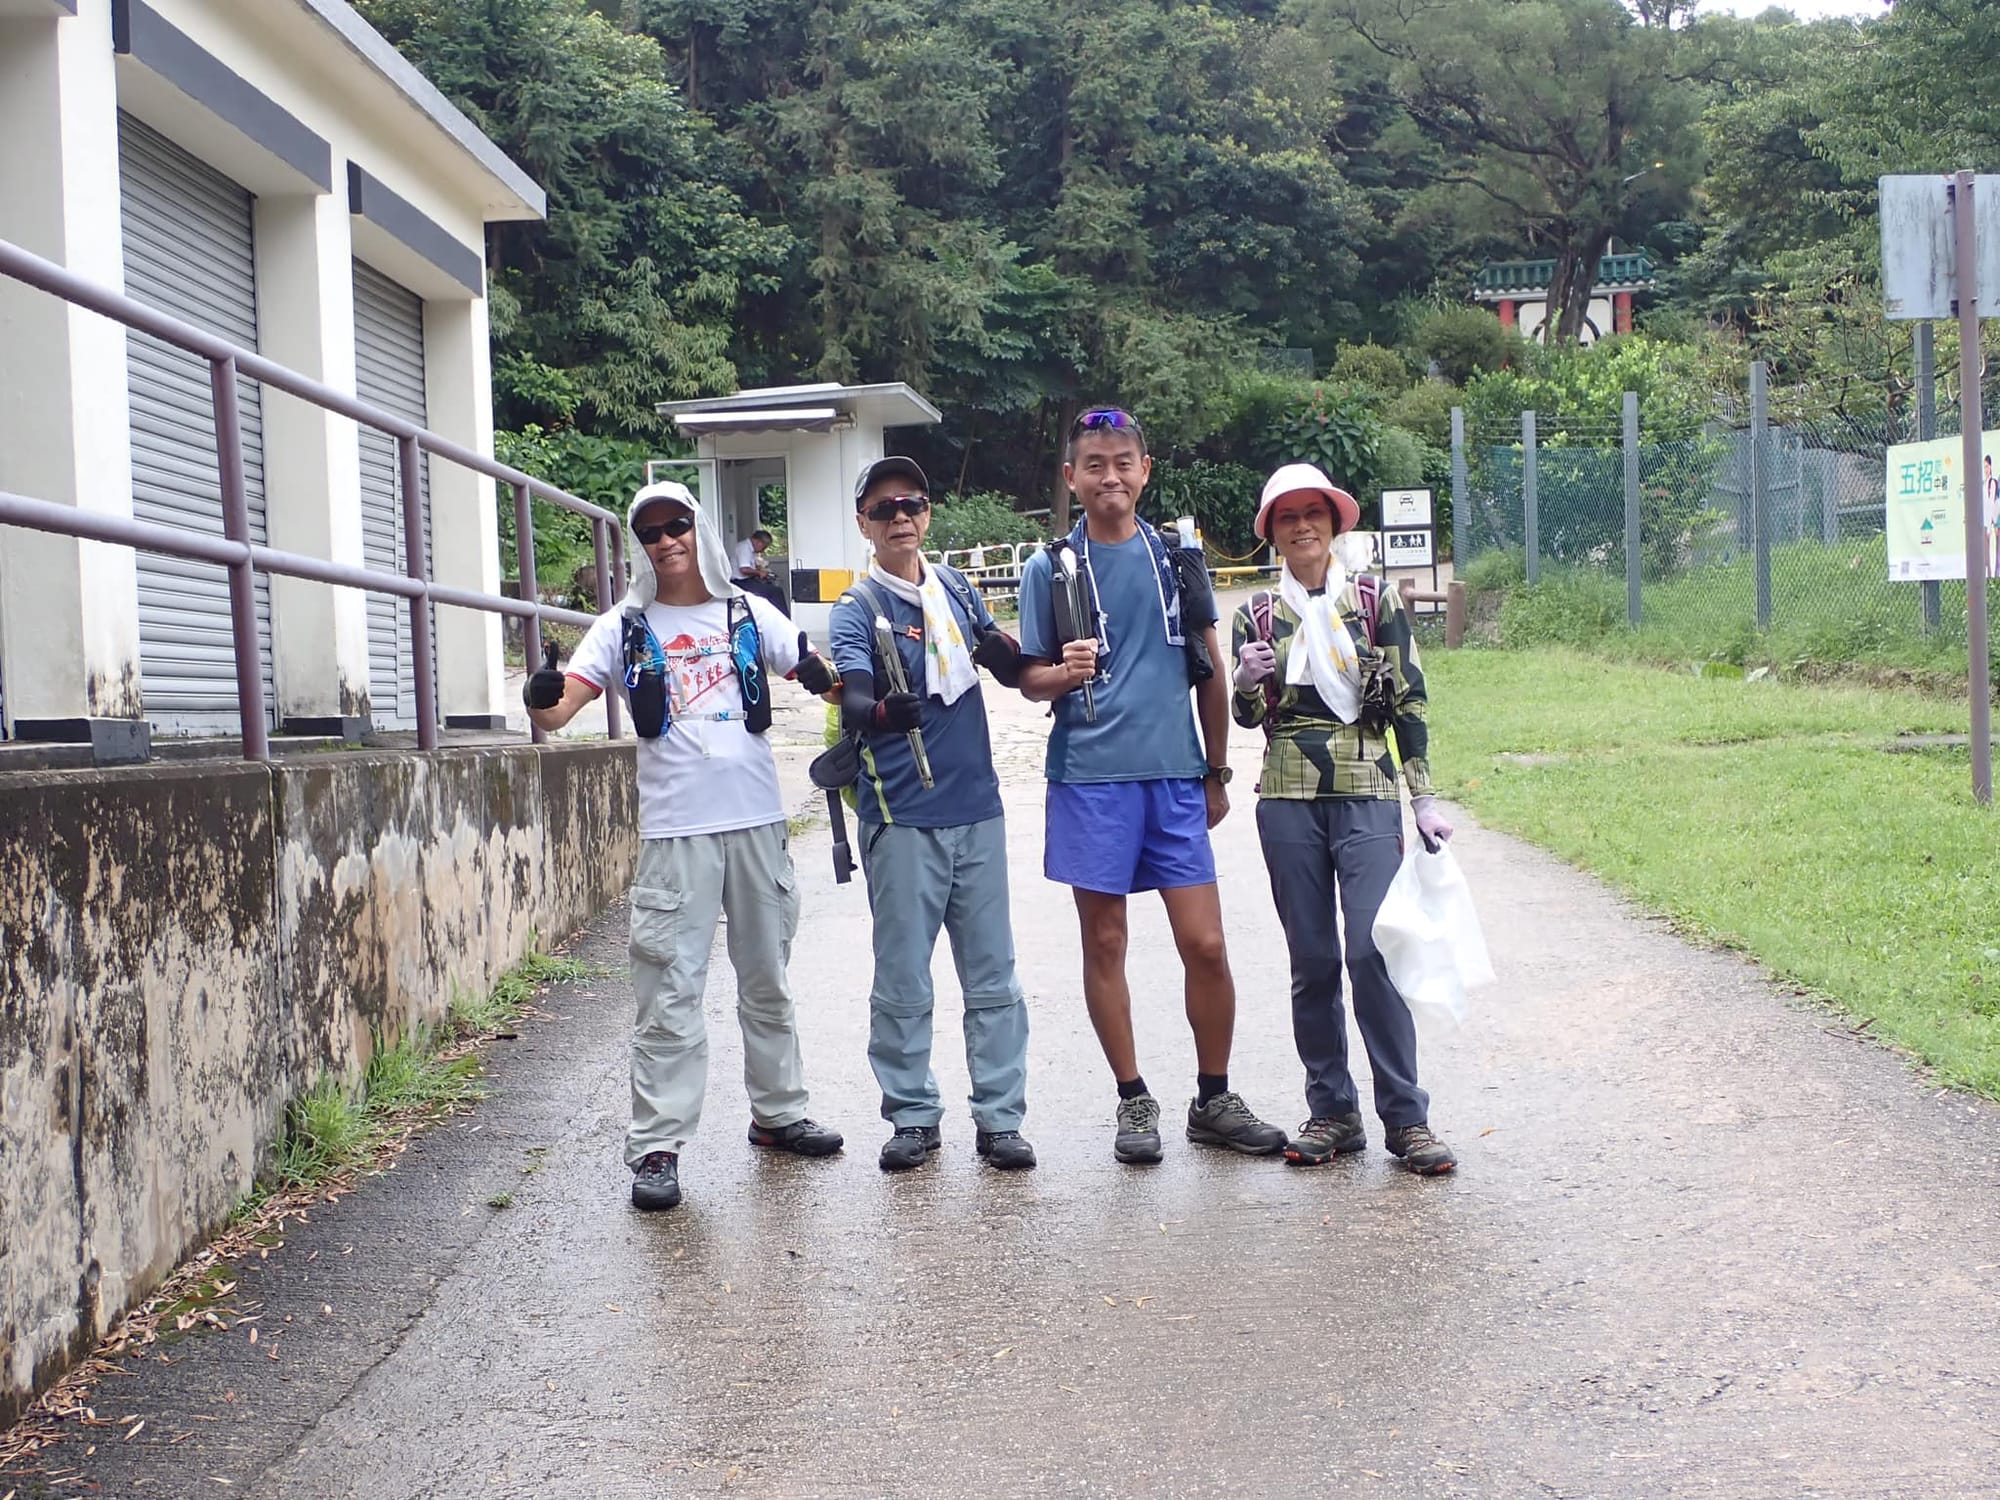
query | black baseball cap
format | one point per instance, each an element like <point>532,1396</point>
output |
<point>882,467</point>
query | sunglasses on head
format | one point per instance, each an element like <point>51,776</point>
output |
<point>891,506</point>
<point>672,526</point>
<point>1103,419</point>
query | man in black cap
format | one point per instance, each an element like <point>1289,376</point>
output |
<point>933,840</point>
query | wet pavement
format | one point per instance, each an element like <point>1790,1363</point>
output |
<point>1703,1242</point>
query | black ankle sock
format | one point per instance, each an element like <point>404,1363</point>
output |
<point>1208,1085</point>
<point>1132,1089</point>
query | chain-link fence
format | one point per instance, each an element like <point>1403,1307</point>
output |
<point>1670,538</point>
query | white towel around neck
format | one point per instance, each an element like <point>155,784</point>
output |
<point>1322,653</point>
<point>948,670</point>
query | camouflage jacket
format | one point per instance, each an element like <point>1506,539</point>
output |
<point>1312,754</point>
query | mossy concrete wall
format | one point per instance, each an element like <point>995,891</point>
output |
<point>185,948</point>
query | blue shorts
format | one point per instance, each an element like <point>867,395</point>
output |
<point>1117,837</point>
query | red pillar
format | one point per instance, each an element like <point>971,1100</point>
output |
<point>1621,312</point>
<point>1506,312</point>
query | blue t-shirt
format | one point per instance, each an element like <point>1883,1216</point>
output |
<point>1145,729</point>
<point>965,788</point>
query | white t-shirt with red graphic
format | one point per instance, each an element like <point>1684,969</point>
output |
<point>703,775</point>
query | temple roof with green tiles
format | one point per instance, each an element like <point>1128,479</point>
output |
<point>1502,280</point>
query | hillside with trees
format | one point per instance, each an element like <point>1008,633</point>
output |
<point>1024,205</point>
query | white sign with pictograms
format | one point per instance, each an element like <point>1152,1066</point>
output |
<point>1403,509</point>
<point>1408,547</point>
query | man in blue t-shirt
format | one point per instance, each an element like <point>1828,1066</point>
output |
<point>933,842</point>
<point>1131,794</point>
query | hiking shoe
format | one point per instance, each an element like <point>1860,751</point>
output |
<point>1138,1137</point>
<point>1226,1121</point>
<point>801,1138</point>
<point>1422,1152</point>
<point>909,1146</point>
<point>1005,1149</point>
<point>1324,1137</point>
<point>656,1181</point>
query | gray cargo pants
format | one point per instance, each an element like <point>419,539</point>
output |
<point>921,880</point>
<point>683,885</point>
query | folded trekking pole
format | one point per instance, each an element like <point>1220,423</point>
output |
<point>1079,611</point>
<point>843,856</point>
<point>892,663</point>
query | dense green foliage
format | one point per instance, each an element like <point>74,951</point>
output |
<point>1023,206</point>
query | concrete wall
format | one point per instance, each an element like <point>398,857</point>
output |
<point>185,948</point>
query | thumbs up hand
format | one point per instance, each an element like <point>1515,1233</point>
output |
<point>544,688</point>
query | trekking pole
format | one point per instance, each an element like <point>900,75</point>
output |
<point>1078,612</point>
<point>892,663</point>
<point>843,856</point>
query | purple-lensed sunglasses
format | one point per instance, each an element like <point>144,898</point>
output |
<point>1105,417</point>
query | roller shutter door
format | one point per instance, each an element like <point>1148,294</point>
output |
<point>389,372</point>
<point>188,252</point>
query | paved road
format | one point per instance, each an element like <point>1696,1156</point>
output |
<point>1703,1243</point>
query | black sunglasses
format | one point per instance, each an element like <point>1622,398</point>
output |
<point>892,506</point>
<point>672,526</point>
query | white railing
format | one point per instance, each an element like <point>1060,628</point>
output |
<point>995,569</point>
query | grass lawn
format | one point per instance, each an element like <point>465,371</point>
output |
<point>1833,610</point>
<point>1760,815</point>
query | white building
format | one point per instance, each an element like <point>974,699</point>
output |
<point>275,172</point>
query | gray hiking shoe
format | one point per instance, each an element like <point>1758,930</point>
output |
<point>1138,1137</point>
<point>1422,1152</point>
<point>1324,1137</point>
<point>1226,1121</point>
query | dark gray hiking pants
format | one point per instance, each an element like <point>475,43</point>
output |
<point>1353,845</point>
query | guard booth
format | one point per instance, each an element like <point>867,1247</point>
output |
<point>808,443</point>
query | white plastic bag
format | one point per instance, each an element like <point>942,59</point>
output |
<point>1429,936</point>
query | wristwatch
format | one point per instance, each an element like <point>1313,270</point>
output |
<point>1219,773</point>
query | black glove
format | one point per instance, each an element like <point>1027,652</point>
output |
<point>544,688</point>
<point>899,711</point>
<point>1000,654</point>
<point>812,672</point>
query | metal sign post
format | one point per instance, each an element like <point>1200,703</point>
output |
<point>1972,423</point>
<point>1932,246</point>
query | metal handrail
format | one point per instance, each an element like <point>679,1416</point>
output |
<point>235,551</point>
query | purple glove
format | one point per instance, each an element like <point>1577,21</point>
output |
<point>1432,826</point>
<point>1255,660</point>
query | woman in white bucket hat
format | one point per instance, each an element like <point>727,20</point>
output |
<point>1328,666</point>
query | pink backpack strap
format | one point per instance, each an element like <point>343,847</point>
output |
<point>1368,589</point>
<point>1260,621</point>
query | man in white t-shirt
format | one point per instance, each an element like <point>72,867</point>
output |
<point>753,573</point>
<point>696,657</point>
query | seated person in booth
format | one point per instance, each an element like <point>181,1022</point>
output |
<point>697,660</point>
<point>753,573</point>
<point>908,640</point>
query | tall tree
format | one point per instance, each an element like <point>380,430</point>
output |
<point>1566,119</point>
<point>628,293</point>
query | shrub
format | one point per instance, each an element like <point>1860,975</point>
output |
<point>1425,409</point>
<point>604,471</point>
<point>1465,341</point>
<point>1333,428</point>
<point>1222,498</point>
<point>1568,607</point>
<point>1371,367</point>
<point>1399,461</point>
<point>1499,571</point>
<point>1257,398</point>
<point>978,519</point>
